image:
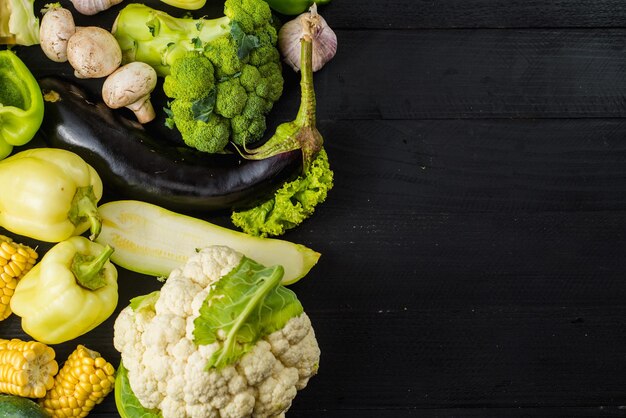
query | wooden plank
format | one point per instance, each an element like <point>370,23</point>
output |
<point>500,357</point>
<point>411,14</point>
<point>479,165</point>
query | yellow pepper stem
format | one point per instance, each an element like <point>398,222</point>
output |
<point>88,270</point>
<point>84,207</point>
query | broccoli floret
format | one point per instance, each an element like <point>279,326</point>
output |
<point>245,130</point>
<point>191,77</point>
<point>223,54</point>
<point>210,135</point>
<point>231,98</point>
<point>251,14</point>
<point>270,86</point>
<point>234,61</point>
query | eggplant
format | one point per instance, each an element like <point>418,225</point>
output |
<point>138,164</point>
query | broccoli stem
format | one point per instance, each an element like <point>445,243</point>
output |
<point>301,133</point>
<point>158,39</point>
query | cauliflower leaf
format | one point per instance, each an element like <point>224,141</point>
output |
<point>145,302</point>
<point>127,403</point>
<point>245,305</point>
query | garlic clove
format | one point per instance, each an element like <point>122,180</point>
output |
<point>313,24</point>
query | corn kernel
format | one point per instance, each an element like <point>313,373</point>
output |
<point>23,371</point>
<point>82,383</point>
<point>15,261</point>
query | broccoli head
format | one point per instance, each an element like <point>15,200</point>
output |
<point>223,75</point>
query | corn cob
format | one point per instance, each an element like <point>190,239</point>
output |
<point>27,368</point>
<point>15,261</point>
<point>84,381</point>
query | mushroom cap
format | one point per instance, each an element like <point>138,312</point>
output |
<point>129,84</point>
<point>93,52</point>
<point>57,26</point>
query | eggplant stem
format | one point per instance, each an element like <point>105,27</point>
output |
<point>301,133</point>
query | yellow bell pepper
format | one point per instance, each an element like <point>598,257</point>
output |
<point>69,292</point>
<point>49,194</point>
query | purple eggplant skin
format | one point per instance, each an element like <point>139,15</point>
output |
<point>138,165</point>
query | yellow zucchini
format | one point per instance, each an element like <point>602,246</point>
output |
<point>151,240</point>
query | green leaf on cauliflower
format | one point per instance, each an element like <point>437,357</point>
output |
<point>128,406</point>
<point>145,302</point>
<point>244,306</point>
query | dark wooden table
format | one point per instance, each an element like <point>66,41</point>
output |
<point>474,244</point>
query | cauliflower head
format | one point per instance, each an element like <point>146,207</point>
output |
<point>177,347</point>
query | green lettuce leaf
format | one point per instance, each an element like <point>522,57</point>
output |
<point>126,402</point>
<point>245,305</point>
<point>294,202</point>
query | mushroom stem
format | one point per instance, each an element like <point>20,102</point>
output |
<point>143,110</point>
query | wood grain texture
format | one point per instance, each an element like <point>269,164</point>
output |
<point>433,74</point>
<point>480,165</point>
<point>429,14</point>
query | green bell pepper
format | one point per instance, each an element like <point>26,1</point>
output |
<point>72,290</point>
<point>293,7</point>
<point>21,103</point>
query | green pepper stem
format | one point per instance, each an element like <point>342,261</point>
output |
<point>88,270</point>
<point>84,207</point>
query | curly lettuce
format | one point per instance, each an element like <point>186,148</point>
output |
<point>294,202</point>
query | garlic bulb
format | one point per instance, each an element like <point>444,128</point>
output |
<point>314,25</point>
<point>92,7</point>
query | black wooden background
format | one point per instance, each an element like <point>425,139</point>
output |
<point>473,246</point>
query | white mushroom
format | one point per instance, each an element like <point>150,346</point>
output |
<point>91,7</point>
<point>57,26</point>
<point>130,86</point>
<point>93,52</point>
